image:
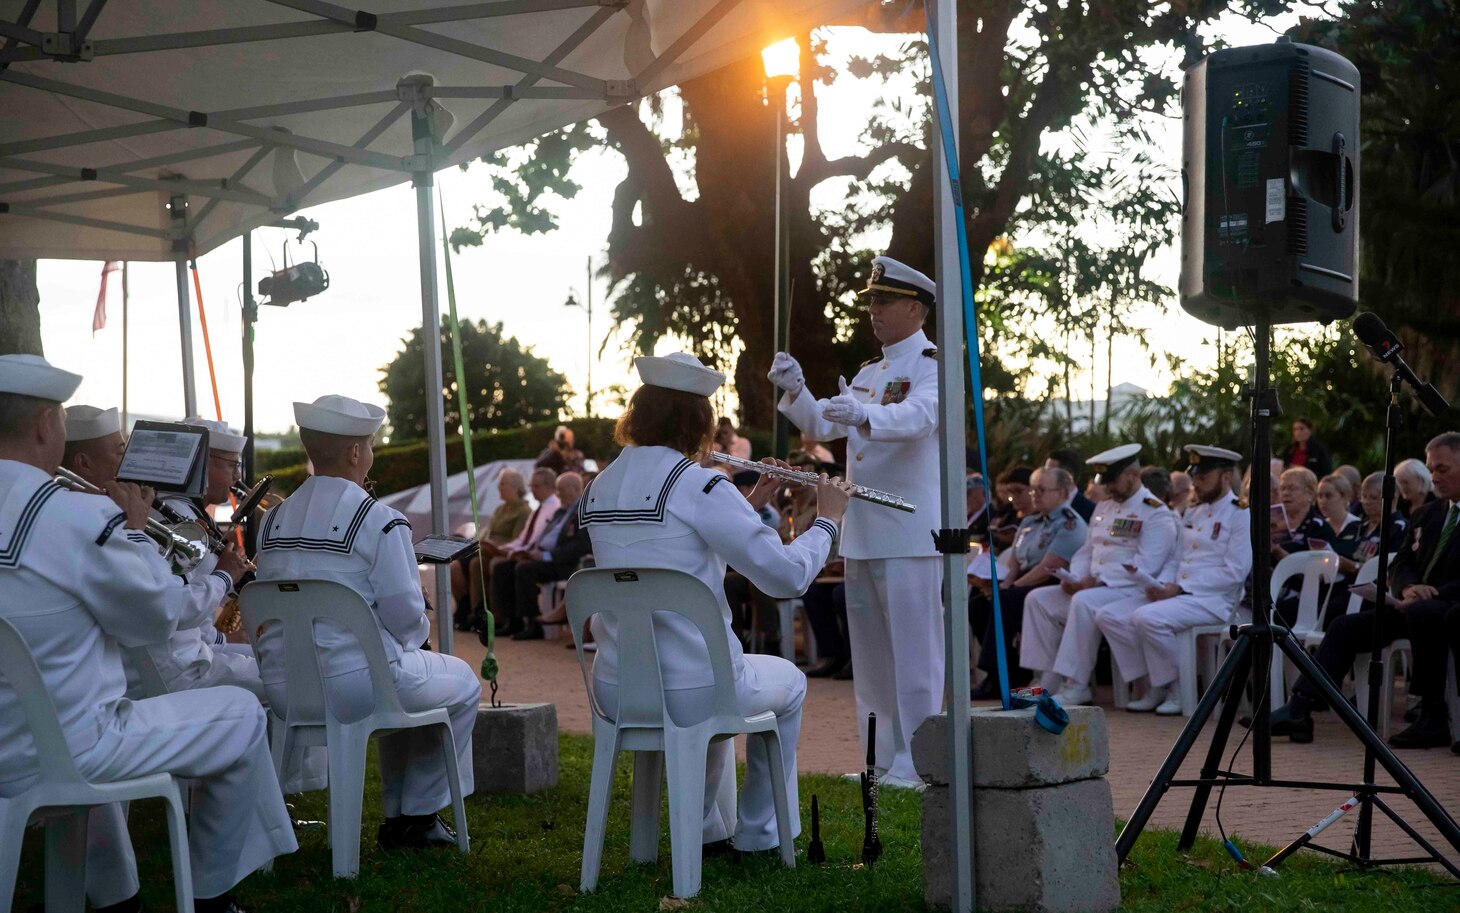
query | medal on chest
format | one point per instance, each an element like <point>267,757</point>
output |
<point>1125,528</point>
<point>896,390</point>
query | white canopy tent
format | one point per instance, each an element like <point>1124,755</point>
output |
<point>160,130</point>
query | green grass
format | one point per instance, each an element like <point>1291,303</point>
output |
<point>526,856</point>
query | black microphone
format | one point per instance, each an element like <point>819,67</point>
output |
<point>1385,346</point>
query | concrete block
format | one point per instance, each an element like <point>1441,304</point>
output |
<point>1010,751</point>
<point>514,748</point>
<point>1047,850</point>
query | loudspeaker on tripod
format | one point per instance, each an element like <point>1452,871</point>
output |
<point>1270,165</point>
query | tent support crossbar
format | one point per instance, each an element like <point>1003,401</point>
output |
<point>215,189</point>
<point>240,174</point>
<point>368,137</point>
<point>21,209</point>
<point>86,137</point>
<point>685,42</point>
<point>156,161</point>
<point>88,19</point>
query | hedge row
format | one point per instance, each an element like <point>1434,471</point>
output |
<point>403,466</point>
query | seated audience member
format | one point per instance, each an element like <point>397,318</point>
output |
<point>1070,462</point>
<point>1425,578</point>
<point>1046,541</point>
<point>543,485</point>
<point>825,600</point>
<point>1200,585</point>
<point>1355,479</point>
<point>814,449</point>
<point>1344,531</point>
<point>978,509</point>
<point>1096,491</point>
<point>1132,529</point>
<point>728,440</point>
<point>331,529</point>
<point>749,605</point>
<point>560,455</point>
<point>1306,451</point>
<point>554,556</point>
<point>1015,501</point>
<point>82,579</point>
<point>1180,498</point>
<point>1416,488</point>
<point>505,524</point>
<point>1305,530</point>
<point>1158,483</point>
<point>1362,544</point>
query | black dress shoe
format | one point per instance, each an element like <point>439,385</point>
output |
<point>987,690</point>
<point>1412,714</point>
<point>826,668</point>
<point>1297,728</point>
<point>414,832</point>
<point>533,632</point>
<point>1455,748</point>
<point>844,674</point>
<point>716,848</point>
<point>1427,733</point>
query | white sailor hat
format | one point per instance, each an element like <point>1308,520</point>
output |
<point>1113,462</point>
<point>335,414</point>
<point>86,423</point>
<point>893,278</point>
<point>1205,456</point>
<point>680,371</point>
<point>220,436</point>
<point>32,375</point>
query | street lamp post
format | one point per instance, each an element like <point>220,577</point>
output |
<point>587,306</point>
<point>782,66</point>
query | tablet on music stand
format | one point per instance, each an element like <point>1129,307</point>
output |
<point>436,549</point>
<point>168,456</point>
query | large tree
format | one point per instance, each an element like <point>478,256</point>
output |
<point>507,385</point>
<point>692,255</point>
<point>20,316</point>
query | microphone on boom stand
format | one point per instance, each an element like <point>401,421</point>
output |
<point>1385,346</point>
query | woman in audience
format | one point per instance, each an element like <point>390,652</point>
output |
<point>1353,551</point>
<point>504,525</point>
<point>1297,492</point>
<point>1415,487</point>
<point>1344,529</point>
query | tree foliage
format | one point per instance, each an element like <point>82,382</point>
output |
<point>507,385</point>
<point>690,250</point>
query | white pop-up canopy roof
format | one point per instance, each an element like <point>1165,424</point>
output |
<point>255,109</point>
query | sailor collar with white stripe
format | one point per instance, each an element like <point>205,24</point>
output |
<point>650,498</point>
<point>340,537</point>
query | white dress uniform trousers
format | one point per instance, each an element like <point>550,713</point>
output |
<point>78,587</point>
<point>1060,635</point>
<point>894,576</point>
<point>696,524</point>
<point>1210,565</point>
<point>330,529</point>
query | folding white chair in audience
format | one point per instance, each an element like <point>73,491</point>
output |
<point>297,605</point>
<point>1316,568</point>
<point>63,798</point>
<point>641,724</point>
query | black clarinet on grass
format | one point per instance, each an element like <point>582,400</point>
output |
<point>871,841</point>
<point>815,852</point>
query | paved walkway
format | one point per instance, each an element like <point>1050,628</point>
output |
<point>545,671</point>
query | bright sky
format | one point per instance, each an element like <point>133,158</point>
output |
<point>337,342</point>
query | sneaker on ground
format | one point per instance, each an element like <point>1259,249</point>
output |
<point>1169,707</point>
<point>891,782</point>
<point>1153,698</point>
<point>1075,694</point>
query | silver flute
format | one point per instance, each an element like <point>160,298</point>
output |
<point>860,492</point>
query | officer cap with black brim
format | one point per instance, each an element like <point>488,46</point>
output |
<point>1113,462</point>
<point>890,277</point>
<point>1202,457</point>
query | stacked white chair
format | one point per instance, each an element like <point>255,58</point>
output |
<point>297,605</point>
<point>1316,568</point>
<point>63,798</point>
<point>641,724</point>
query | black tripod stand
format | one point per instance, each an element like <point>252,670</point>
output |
<point>1251,656</point>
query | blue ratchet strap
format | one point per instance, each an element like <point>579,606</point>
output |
<point>1050,716</point>
<point>970,324</point>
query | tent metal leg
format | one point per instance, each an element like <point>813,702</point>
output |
<point>952,459</point>
<point>185,336</point>
<point>435,413</point>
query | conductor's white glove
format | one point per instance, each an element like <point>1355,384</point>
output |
<point>786,373</point>
<point>844,408</point>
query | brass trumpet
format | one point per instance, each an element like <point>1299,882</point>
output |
<point>181,541</point>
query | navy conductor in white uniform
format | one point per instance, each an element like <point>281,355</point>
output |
<point>894,578</point>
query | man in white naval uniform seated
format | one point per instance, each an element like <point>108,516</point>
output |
<point>656,507</point>
<point>1132,534</point>
<point>78,578</point>
<point>331,529</point>
<point>1200,584</point>
<point>894,577</point>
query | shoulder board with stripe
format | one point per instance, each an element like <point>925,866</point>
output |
<point>1153,502</point>
<point>870,361</point>
<point>930,352</point>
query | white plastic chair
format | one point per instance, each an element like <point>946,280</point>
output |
<point>642,724</point>
<point>63,798</point>
<point>297,605</point>
<point>1316,569</point>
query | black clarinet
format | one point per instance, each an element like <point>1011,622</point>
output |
<point>815,852</point>
<point>871,841</point>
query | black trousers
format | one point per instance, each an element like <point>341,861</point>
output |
<point>1434,635</point>
<point>826,608</point>
<point>1346,638</point>
<point>525,579</point>
<point>981,619</point>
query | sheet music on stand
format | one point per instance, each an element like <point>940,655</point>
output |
<point>168,456</point>
<point>438,549</point>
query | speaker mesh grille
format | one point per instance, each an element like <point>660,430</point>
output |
<point>1297,225</point>
<point>1298,79</point>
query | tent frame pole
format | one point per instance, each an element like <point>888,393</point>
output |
<point>185,329</point>
<point>424,183</point>
<point>952,439</point>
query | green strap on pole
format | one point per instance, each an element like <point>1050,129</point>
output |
<point>489,663</point>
